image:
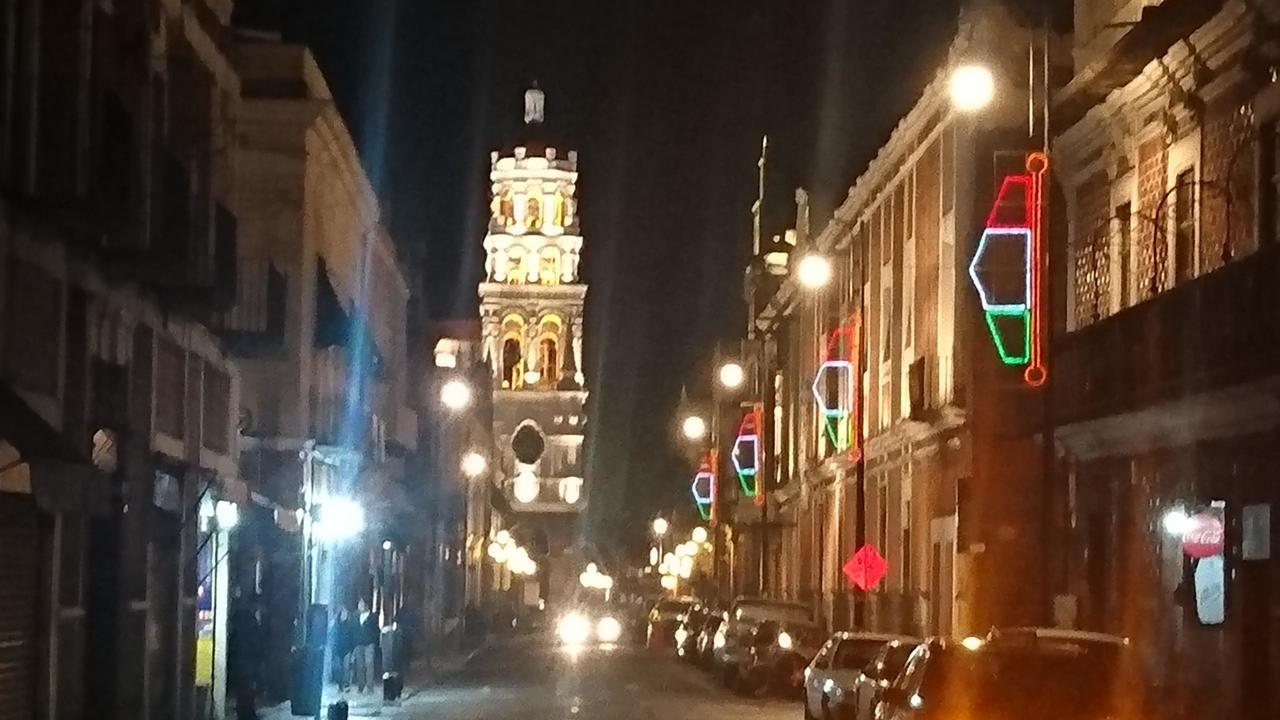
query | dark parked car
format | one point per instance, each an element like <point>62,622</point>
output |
<point>664,618</point>
<point>780,652</point>
<point>707,638</point>
<point>1006,681</point>
<point>687,632</point>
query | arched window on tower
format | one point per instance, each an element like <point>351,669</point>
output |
<point>559,211</point>
<point>507,210</point>
<point>512,364</point>
<point>533,213</point>
<point>549,360</point>
<point>549,267</point>
<point>515,266</point>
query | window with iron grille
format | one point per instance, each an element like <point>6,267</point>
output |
<point>170,388</point>
<point>1124,242</point>
<point>217,410</point>
<point>33,329</point>
<point>1184,226</point>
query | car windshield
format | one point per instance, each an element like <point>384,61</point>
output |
<point>854,653</point>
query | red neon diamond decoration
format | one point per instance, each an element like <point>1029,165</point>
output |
<point>866,568</point>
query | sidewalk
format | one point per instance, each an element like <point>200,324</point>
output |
<point>421,675</point>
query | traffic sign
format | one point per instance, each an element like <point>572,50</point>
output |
<point>866,568</point>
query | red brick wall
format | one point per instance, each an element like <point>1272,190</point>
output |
<point>1227,193</point>
<point>1091,252</point>
<point>1150,235</point>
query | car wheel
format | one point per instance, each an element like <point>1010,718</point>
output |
<point>728,676</point>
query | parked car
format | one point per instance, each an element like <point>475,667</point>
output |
<point>686,634</point>
<point>846,677</point>
<point>731,645</point>
<point>1041,679</point>
<point>663,620</point>
<point>780,652</point>
<point>706,638</point>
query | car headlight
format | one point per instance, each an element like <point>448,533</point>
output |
<point>608,630</point>
<point>573,629</point>
<point>718,641</point>
<point>681,636</point>
<point>784,640</point>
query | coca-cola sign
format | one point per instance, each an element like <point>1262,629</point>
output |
<point>1204,536</point>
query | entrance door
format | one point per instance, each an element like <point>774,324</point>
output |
<point>19,595</point>
<point>942,542</point>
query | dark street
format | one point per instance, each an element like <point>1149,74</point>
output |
<point>538,681</point>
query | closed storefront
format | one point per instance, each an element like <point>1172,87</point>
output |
<point>19,593</point>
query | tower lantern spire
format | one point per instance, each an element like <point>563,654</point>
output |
<point>534,105</point>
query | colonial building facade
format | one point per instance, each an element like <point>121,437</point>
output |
<point>117,404</point>
<point>932,461</point>
<point>531,309</point>
<point>1166,361</point>
<point>318,329</point>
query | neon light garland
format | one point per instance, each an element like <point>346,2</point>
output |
<point>746,462</point>
<point>1017,216</point>
<point>841,420</point>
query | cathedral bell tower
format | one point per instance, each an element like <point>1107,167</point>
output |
<point>531,304</point>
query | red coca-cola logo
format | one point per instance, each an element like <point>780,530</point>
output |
<point>1204,536</point>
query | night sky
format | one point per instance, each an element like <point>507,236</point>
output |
<point>666,102</point>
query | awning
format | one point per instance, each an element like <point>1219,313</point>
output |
<point>1157,30</point>
<point>39,461</point>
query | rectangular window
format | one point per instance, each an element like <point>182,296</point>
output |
<point>908,292</point>
<point>886,322</point>
<point>906,546</point>
<point>882,518</point>
<point>1184,226</point>
<point>1124,242</point>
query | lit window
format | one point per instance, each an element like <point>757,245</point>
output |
<point>533,213</point>
<point>549,269</point>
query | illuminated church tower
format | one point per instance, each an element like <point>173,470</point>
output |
<point>531,304</point>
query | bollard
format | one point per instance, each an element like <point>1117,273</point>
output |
<point>392,686</point>
<point>338,711</point>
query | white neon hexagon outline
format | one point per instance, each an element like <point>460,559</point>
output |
<point>698,498</point>
<point>755,456</point>
<point>987,305</point>
<point>843,365</point>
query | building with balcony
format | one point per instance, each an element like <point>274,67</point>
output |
<point>895,424</point>
<point>318,328</point>
<point>531,308</point>
<point>1163,402</point>
<point>117,404</point>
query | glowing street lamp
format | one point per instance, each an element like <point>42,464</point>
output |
<point>339,519</point>
<point>699,535</point>
<point>654,558</point>
<point>972,87</point>
<point>732,375</point>
<point>694,427</point>
<point>227,514</point>
<point>814,272</point>
<point>660,526</point>
<point>455,395</point>
<point>474,464</point>
<point>1176,522</point>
